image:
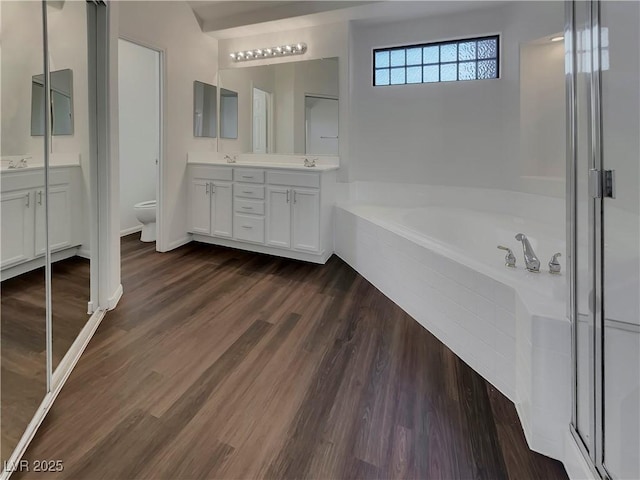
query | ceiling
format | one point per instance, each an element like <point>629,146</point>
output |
<point>232,19</point>
<point>215,16</point>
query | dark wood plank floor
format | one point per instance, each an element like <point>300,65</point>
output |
<point>23,344</point>
<point>225,364</point>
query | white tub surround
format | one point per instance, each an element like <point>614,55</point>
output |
<point>22,212</point>
<point>281,208</point>
<point>433,252</point>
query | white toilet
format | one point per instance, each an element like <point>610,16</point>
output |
<point>146,215</point>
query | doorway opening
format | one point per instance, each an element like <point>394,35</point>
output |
<point>140,128</point>
<point>321,124</point>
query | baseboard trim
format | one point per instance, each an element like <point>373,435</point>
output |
<point>19,269</point>
<point>84,253</point>
<point>113,300</point>
<point>178,243</point>
<point>320,258</point>
<point>60,377</point>
<point>130,230</point>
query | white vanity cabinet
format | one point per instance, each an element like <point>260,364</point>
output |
<point>23,204</point>
<point>211,202</point>
<point>16,211</point>
<point>280,211</point>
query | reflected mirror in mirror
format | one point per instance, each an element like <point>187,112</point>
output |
<point>274,114</point>
<point>204,110</point>
<point>61,100</point>
<point>228,113</point>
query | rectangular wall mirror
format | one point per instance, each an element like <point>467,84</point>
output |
<point>204,110</point>
<point>228,113</point>
<point>288,108</point>
<point>61,103</point>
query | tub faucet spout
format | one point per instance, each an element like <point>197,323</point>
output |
<point>531,261</point>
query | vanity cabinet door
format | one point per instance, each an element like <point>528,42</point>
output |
<point>200,206</point>
<point>279,217</point>
<point>306,219</point>
<point>222,209</point>
<point>60,231</point>
<point>16,212</point>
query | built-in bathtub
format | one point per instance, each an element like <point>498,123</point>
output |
<point>432,250</point>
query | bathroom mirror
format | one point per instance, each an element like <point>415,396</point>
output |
<point>228,113</point>
<point>61,103</point>
<point>204,110</point>
<point>287,108</point>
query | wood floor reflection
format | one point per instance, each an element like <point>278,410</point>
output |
<point>23,342</point>
<point>225,364</point>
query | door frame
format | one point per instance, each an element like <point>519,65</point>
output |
<point>161,245</point>
<point>270,116</point>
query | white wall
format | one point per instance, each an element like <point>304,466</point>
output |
<point>542,110</point>
<point>21,59</point>
<point>139,119</point>
<point>189,55</point>
<point>456,133</point>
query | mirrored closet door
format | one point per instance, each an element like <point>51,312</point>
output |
<point>48,187</point>
<point>23,339</point>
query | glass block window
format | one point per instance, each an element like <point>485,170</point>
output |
<point>456,60</point>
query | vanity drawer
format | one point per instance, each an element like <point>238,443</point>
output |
<point>248,228</point>
<point>249,175</point>
<point>294,179</point>
<point>248,206</point>
<point>248,191</point>
<point>211,172</point>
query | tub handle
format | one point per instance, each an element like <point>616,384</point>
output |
<point>509,258</point>
<point>554,264</point>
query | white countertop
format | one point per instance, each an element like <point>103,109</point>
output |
<point>281,166</point>
<point>30,168</point>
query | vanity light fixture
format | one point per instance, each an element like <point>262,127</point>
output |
<point>558,38</point>
<point>280,51</point>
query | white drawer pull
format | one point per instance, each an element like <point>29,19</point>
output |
<point>247,176</point>
<point>247,192</point>
<point>248,208</point>
<point>247,226</point>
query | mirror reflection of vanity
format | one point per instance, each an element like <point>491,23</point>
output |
<point>286,108</point>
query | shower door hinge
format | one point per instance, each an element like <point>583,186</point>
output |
<point>602,183</point>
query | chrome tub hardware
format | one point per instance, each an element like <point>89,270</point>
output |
<point>554,264</point>
<point>530,259</point>
<point>509,258</point>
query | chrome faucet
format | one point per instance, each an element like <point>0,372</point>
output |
<point>230,159</point>
<point>530,259</point>
<point>310,163</point>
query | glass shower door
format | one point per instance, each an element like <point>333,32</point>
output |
<point>582,238</point>
<point>619,40</point>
